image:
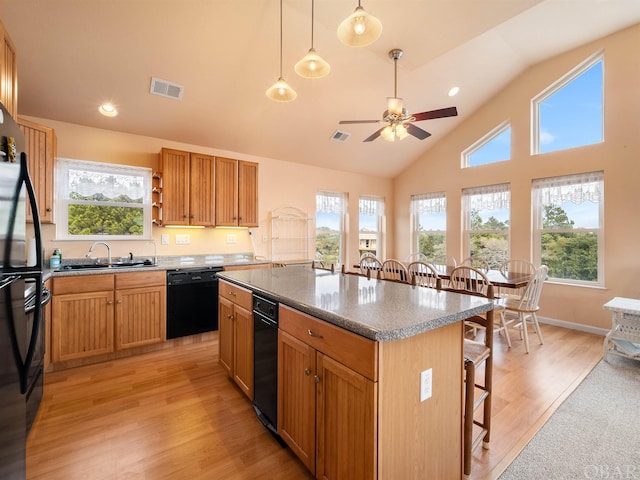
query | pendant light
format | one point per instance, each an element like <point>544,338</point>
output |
<point>359,29</point>
<point>281,91</point>
<point>312,65</point>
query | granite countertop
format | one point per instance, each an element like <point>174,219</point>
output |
<point>376,309</point>
<point>164,263</point>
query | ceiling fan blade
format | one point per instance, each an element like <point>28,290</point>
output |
<point>417,131</point>
<point>343,122</point>
<point>441,113</point>
<point>374,135</point>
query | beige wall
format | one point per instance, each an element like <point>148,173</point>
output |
<point>280,184</point>
<point>618,156</point>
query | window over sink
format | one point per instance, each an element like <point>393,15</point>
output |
<point>97,200</point>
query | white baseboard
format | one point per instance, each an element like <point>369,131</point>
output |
<point>573,326</point>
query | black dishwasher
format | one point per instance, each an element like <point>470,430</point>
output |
<point>265,357</point>
<point>192,301</point>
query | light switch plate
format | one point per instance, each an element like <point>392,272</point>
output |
<point>231,238</point>
<point>426,387</point>
<point>164,239</point>
<point>183,239</point>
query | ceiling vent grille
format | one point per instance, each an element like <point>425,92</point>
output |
<point>339,136</point>
<point>166,89</point>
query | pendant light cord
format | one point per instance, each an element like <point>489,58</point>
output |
<point>280,38</point>
<point>395,78</point>
<point>312,10</point>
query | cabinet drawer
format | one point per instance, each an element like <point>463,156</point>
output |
<point>82,284</point>
<point>141,279</point>
<point>356,352</point>
<point>238,295</point>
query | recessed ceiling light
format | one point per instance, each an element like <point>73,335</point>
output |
<point>108,110</point>
<point>454,91</point>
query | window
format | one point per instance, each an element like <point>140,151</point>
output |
<point>102,201</point>
<point>331,208</point>
<point>493,147</point>
<point>569,113</point>
<point>429,224</point>
<point>568,227</point>
<point>370,225</point>
<point>486,221</point>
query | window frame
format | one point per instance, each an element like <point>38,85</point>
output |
<point>481,142</point>
<point>538,229</point>
<point>437,201</point>
<point>555,87</point>
<point>62,202</point>
<point>467,194</point>
<point>342,199</point>
<point>380,224</point>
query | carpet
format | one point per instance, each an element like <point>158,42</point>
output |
<point>594,434</point>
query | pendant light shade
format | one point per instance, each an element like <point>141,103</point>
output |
<point>359,29</point>
<point>281,91</point>
<point>312,65</point>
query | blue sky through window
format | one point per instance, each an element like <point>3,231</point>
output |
<point>495,150</point>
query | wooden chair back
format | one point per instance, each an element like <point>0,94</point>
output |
<point>424,274</point>
<point>394,270</point>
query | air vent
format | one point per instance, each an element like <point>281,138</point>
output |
<point>339,136</point>
<point>166,89</point>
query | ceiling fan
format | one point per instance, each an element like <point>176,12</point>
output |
<point>397,119</point>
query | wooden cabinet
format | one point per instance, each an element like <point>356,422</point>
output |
<point>8,73</point>
<point>187,188</point>
<point>235,334</point>
<point>327,396</point>
<point>84,322</point>
<point>40,147</point>
<point>236,193</point>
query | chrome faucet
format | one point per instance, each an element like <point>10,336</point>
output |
<point>88,254</point>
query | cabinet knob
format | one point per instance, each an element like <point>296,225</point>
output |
<point>109,302</point>
<point>316,378</point>
<point>311,334</point>
<point>119,302</point>
<point>230,317</point>
<point>47,209</point>
<point>232,293</point>
<point>307,371</point>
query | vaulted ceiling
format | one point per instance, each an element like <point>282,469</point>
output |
<point>74,55</point>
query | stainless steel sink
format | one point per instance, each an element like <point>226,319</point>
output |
<point>100,266</point>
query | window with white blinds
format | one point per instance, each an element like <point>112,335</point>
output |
<point>429,224</point>
<point>331,210</point>
<point>568,227</point>
<point>486,213</point>
<point>371,225</point>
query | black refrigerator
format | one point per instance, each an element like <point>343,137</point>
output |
<point>21,301</point>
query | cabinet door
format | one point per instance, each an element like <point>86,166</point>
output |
<point>174,165</point>
<point>226,192</point>
<point>140,317</point>
<point>247,194</point>
<point>201,193</point>
<point>243,350</point>
<point>82,325</point>
<point>225,334</point>
<point>40,147</point>
<point>8,73</point>
<point>346,423</point>
<point>297,397</point>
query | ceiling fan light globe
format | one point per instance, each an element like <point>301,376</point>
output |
<point>312,65</point>
<point>401,132</point>
<point>388,134</point>
<point>394,105</point>
<point>281,92</point>
<point>359,29</point>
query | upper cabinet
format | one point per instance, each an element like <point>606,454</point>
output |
<point>8,73</point>
<point>187,188</point>
<point>236,193</point>
<point>40,147</point>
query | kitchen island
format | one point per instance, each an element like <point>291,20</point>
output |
<point>369,372</point>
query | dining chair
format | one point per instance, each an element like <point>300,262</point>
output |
<point>423,274</point>
<point>415,257</point>
<point>515,266</point>
<point>525,308</point>
<point>393,270</point>
<point>471,281</point>
<point>319,265</point>
<point>369,262</point>
<point>476,262</point>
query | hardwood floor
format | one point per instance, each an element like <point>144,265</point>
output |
<point>174,414</point>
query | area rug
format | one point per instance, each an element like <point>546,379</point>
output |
<point>594,434</point>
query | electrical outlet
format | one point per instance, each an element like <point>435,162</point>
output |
<point>183,239</point>
<point>164,239</point>
<point>265,238</point>
<point>426,387</point>
<point>231,238</point>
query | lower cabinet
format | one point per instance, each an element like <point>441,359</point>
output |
<point>327,396</point>
<point>85,323</point>
<point>235,334</point>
